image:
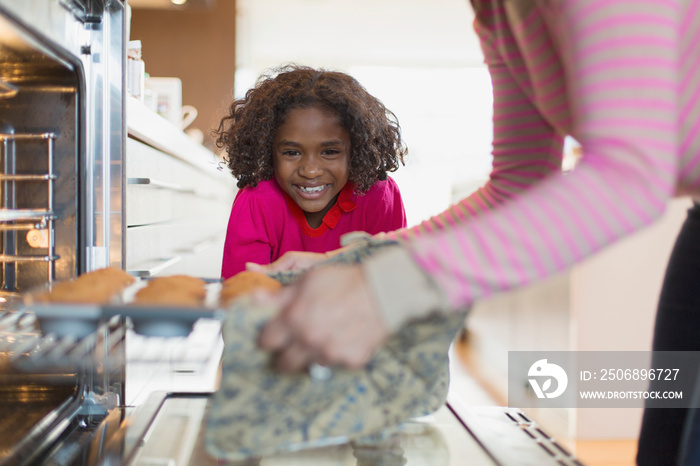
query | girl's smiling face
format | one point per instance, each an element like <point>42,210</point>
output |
<point>311,159</point>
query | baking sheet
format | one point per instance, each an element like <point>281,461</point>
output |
<point>80,320</point>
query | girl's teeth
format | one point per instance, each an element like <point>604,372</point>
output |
<point>312,190</point>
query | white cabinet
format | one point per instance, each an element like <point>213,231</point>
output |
<point>178,198</point>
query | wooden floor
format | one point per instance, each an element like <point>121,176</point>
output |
<point>590,453</point>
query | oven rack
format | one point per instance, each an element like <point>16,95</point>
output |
<point>24,346</point>
<point>39,221</point>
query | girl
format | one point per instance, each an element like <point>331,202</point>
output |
<point>311,150</point>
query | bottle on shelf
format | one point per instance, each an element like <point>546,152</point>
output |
<point>136,70</point>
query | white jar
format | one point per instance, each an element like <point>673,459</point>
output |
<point>135,70</point>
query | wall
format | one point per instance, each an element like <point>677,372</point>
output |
<point>197,46</point>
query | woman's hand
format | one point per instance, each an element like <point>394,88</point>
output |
<point>328,318</point>
<point>291,260</point>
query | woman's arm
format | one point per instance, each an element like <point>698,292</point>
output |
<point>526,148</point>
<point>621,78</point>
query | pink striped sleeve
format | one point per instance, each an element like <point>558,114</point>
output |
<point>624,179</point>
<point>526,150</point>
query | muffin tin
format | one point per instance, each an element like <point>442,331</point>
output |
<point>79,320</point>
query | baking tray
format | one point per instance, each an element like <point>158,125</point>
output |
<point>80,320</point>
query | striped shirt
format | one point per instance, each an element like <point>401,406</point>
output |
<point>620,76</point>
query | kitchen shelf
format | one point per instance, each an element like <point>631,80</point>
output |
<point>146,125</point>
<point>178,198</point>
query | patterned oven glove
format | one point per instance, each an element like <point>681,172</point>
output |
<point>258,411</point>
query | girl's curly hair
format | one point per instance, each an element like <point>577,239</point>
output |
<point>247,132</point>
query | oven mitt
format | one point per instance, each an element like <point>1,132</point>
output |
<point>258,411</point>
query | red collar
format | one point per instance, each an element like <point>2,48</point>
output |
<point>342,205</point>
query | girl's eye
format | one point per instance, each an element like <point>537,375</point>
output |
<point>331,152</point>
<point>290,152</point>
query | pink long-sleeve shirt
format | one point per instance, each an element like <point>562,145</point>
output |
<point>265,222</point>
<point>620,76</point>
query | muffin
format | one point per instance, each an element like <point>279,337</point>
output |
<point>175,290</point>
<point>245,282</point>
<point>96,287</point>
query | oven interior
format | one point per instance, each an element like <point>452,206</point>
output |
<point>58,394</point>
<point>39,161</point>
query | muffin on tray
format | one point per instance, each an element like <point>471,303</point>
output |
<point>245,282</point>
<point>175,290</point>
<point>97,287</point>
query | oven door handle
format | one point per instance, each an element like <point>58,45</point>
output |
<point>156,269</point>
<point>198,247</point>
<point>160,184</point>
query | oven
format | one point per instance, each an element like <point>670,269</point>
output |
<point>59,397</point>
<point>62,137</point>
<point>67,396</point>
<point>61,140</point>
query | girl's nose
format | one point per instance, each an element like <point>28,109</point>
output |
<point>310,167</point>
